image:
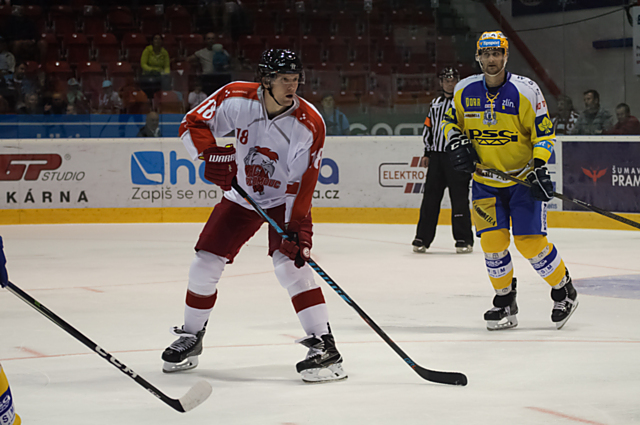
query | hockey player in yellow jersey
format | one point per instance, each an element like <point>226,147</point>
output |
<point>8,414</point>
<point>500,120</point>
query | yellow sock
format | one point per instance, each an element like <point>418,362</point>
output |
<point>7,409</point>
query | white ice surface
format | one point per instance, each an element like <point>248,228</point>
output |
<point>123,286</point>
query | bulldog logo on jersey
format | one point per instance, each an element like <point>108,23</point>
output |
<point>259,166</point>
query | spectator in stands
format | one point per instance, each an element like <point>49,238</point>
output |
<point>627,124</point>
<point>109,101</point>
<point>7,60</point>
<point>76,98</point>
<point>4,106</point>
<point>152,128</point>
<point>31,105</point>
<point>21,34</point>
<point>71,110</point>
<point>204,56</point>
<point>57,105</point>
<point>155,59</point>
<point>197,96</point>
<point>19,84</point>
<point>155,63</point>
<point>221,58</point>
<point>594,119</point>
<point>336,122</point>
<point>565,120</point>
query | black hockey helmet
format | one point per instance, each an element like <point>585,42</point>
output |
<point>280,61</point>
<point>449,72</point>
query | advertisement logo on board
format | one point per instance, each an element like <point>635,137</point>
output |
<point>594,174</point>
<point>14,166</point>
<point>147,168</point>
<point>403,175</point>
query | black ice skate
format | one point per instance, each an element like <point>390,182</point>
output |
<point>464,248</point>
<point>565,303</point>
<point>503,314</point>
<point>323,362</point>
<point>183,353</point>
<point>418,245</point>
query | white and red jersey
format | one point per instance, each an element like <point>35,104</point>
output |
<point>278,159</point>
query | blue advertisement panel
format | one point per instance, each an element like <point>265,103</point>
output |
<point>82,126</point>
<point>603,174</point>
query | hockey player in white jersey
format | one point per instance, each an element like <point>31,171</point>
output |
<point>279,142</point>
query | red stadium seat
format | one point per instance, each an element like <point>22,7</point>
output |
<point>51,47</point>
<point>34,13</point>
<point>63,20</point>
<point>152,20</point>
<point>168,102</point>
<point>119,73</point>
<point>120,20</point>
<point>133,44</point>
<point>250,48</point>
<point>192,43</point>
<point>179,20</point>
<point>91,76</point>
<point>181,72</point>
<point>106,48</point>
<point>58,73</point>
<point>77,47</point>
<point>93,21</point>
<point>280,42</point>
<point>171,44</point>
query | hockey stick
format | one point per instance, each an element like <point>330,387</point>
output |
<point>565,198</point>
<point>451,378</point>
<point>193,398</point>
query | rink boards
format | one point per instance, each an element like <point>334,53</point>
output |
<point>363,179</point>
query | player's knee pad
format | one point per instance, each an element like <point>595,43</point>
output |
<point>495,240</point>
<point>544,258</point>
<point>530,245</point>
<point>294,280</point>
<point>495,245</point>
<point>204,273</point>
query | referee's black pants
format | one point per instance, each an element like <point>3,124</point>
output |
<point>441,175</point>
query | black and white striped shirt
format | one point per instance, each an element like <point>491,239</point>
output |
<point>432,134</point>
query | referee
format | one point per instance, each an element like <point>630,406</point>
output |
<point>440,175</point>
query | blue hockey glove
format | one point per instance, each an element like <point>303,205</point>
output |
<point>461,153</point>
<point>4,275</point>
<point>541,184</point>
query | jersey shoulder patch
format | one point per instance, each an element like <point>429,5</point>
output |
<point>308,115</point>
<point>240,89</point>
<point>462,84</point>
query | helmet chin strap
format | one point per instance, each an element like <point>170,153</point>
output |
<point>504,65</point>
<point>271,94</point>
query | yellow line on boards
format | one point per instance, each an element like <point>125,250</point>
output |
<point>569,219</point>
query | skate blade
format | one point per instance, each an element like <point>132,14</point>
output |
<point>188,363</point>
<point>464,250</point>
<point>560,324</point>
<point>321,375</point>
<point>505,323</point>
<point>420,249</point>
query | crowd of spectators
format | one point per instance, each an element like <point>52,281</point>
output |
<point>594,119</point>
<point>142,78</point>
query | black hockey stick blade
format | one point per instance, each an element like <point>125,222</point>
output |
<point>450,378</point>
<point>566,198</point>
<point>193,398</point>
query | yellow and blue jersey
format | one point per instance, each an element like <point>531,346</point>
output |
<point>7,410</point>
<point>508,136</point>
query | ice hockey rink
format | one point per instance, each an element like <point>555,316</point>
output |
<point>123,286</point>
